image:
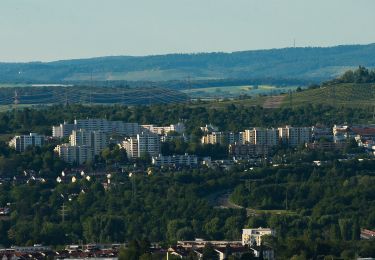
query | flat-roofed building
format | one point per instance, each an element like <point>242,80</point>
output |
<point>294,136</point>
<point>74,154</point>
<point>144,143</point>
<point>103,125</point>
<point>97,140</point>
<point>175,160</point>
<point>249,150</point>
<point>21,142</point>
<point>253,236</point>
<point>261,136</point>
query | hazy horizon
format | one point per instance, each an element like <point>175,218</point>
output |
<point>43,30</point>
<point>183,53</point>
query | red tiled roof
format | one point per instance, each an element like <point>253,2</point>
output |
<point>366,131</point>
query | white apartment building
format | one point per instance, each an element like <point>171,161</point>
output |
<point>161,130</point>
<point>261,136</point>
<point>74,154</point>
<point>214,138</point>
<point>97,140</point>
<point>294,136</point>
<point>104,125</point>
<point>21,142</point>
<point>148,143</point>
<point>209,128</point>
<point>175,160</point>
<point>83,146</point>
<point>221,138</point>
<point>63,130</point>
<point>253,236</point>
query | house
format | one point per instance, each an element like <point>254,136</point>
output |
<point>367,234</point>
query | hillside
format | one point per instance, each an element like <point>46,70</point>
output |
<point>340,95</point>
<point>307,64</point>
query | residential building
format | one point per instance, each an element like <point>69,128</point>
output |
<point>261,136</point>
<point>248,150</point>
<point>97,140</point>
<point>171,137</point>
<point>253,236</point>
<point>175,160</point>
<point>161,130</point>
<point>340,133</point>
<point>325,146</point>
<point>63,130</point>
<point>214,138</point>
<point>21,142</point>
<point>319,132</point>
<point>367,234</point>
<point>103,125</point>
<point>222,138</point>
<point>75,154</point>
<point>294,136</point>
<point>144,143</point>
<point>209,128</point>
<point>83,146</point>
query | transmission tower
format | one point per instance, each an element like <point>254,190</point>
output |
<point>63,212</point>
<point>333,94</point>
<point>66,99</point>
<point>16,99</point>
<point>290,99</point>
<point>90,92</point>
<point>189,88</point>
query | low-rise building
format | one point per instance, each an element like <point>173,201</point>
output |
<point>248,150</point>
<point>21,142</point>
<point>161,130</point>
<point>325,146</point>
<point>319,132</point>
<point>367,234</point>
<point>209,128</point>
<point>253,236</point>
<point>175,160</point>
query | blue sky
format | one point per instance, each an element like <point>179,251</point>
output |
<point>46,30</point>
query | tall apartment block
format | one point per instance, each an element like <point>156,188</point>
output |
<point>75,154</point>
<point>261,136</point>
<point>144,143</point>
<point>103,125</point>
<point>21,142</point>
<point>83,146</point>
<point>294,136</point>
<point>222,138</point>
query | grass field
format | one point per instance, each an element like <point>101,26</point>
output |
<point>235,91</point>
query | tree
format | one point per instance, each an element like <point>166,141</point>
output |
<point>209,252</point>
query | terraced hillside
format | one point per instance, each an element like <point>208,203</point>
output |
<point>345,94</point>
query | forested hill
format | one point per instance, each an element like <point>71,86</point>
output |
<point>308,64</point>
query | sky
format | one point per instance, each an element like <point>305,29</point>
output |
<point>46,30</point>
